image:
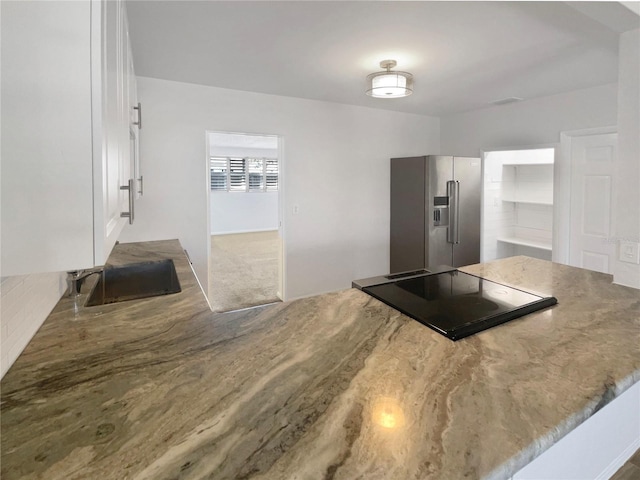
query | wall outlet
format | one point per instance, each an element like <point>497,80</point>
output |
<point>629,252</point>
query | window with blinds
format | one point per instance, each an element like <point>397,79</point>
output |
<point>234,174</point>
<point>219,168</point>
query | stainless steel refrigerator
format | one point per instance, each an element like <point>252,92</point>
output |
<point>435,212</point>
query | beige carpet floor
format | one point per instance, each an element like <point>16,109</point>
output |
<point>244,270</point>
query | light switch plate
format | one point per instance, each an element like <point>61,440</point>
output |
<point>629,252</point>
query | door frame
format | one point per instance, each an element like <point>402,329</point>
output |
<point>282,284</point>
<point>562,190</point>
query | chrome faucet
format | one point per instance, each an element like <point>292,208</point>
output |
<point>75,279</point>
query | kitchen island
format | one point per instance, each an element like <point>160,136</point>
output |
<point>336,386</point>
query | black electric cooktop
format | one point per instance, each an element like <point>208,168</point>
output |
<point>453,303</point>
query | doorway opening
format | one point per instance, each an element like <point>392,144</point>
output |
<point>518,203</point>
<point>246,260</point>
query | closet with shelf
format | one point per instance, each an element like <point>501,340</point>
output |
<point>518,204</point>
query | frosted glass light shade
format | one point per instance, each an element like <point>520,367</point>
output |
<point>389,84</point>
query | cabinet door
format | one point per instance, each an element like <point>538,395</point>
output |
<point>126,171</point>
<point>47,207</point>
<point>109,163</point>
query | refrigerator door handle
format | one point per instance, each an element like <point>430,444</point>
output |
<point>453,192</point>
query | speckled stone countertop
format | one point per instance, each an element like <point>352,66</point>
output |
<point>336,386</point>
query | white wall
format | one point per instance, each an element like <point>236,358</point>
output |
<point>528,123</point>
<point>533,123</point>
<point>540,121</point>
<point>335,169</point>
<point>25,303</point>
<point>226,144</point>
<point>627,175</point>
<point>238,212</point>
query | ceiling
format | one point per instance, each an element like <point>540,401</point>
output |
<point>463,55</point>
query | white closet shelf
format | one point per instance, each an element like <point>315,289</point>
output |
<point>524,164</point>
<point>531,202</point>
<point>525,242</point>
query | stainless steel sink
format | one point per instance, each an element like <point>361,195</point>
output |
<point>137,280</point>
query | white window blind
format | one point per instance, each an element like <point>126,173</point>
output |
<point>256,174</point>
<point>271,174</point>
<point>237,175</point>
<point>234,174</point>
<point>219,168</point>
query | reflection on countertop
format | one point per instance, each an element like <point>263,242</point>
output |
<point>333,386</point>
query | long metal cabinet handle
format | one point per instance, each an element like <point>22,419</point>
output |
<point>132,193</point>
<point>139,122</point>
<point>141,191</point>
<point>453,192</point>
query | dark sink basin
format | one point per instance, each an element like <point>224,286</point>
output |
<point>137,280</point>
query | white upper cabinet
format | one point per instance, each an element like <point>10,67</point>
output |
<point>66,116</point>
<point>111,170</point>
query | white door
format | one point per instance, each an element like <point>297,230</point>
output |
<point>592,162</point>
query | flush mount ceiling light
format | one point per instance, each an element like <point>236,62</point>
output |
<point>389,84</point>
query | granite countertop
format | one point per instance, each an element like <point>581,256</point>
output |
<point>336,386</point>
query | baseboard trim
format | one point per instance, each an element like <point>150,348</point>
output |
<point>619,461</point>
<point>246,231</point>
